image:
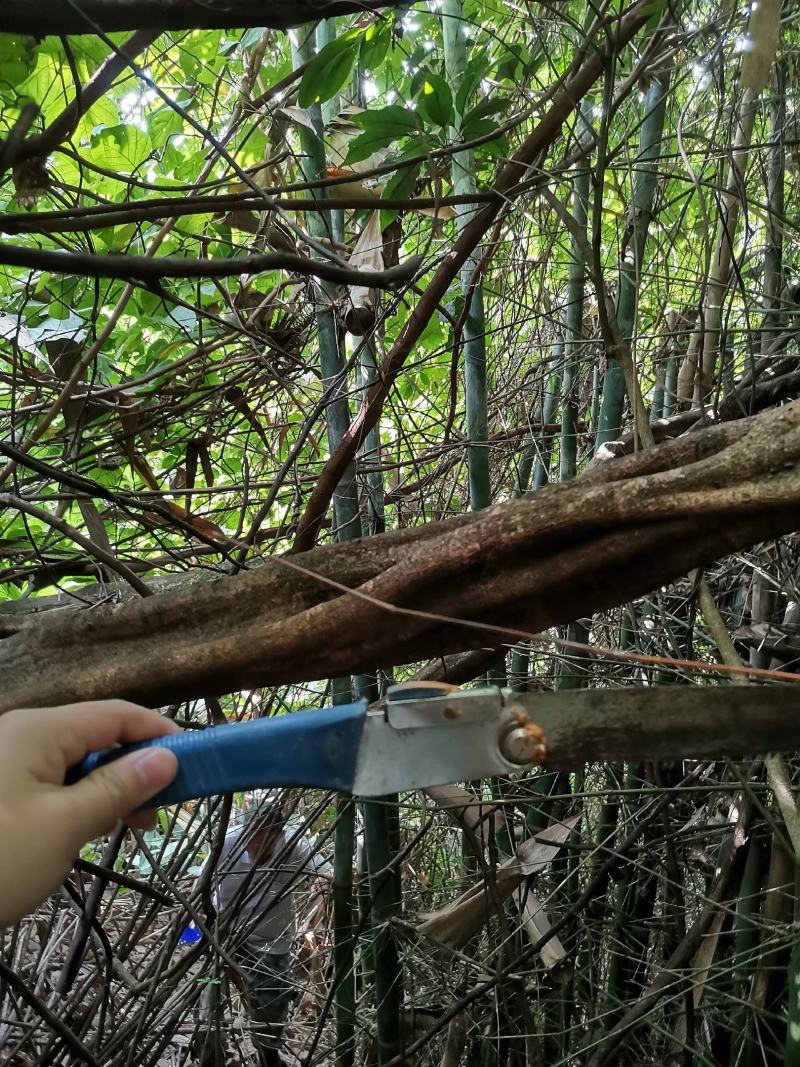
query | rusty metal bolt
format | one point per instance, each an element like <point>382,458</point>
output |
<point>522,745</point>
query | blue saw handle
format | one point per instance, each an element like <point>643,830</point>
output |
<point>315,748</point>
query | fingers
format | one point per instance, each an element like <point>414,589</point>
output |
<point>114,791</point>
<point>82,728</point>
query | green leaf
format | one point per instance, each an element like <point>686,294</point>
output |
<point>329,70</point>
<point>488,108</point>
<point>188,62</point>
<point>117,238</point>
<point>123,147</point>
<point>654,10</point>
<point>472,128</point>
<point>15,60</point>
<point>399,187</point>
<point>477,68</point>
<point>436,101</point>
<point>103,112</point>
<point>497,147</point>
<point>375,44</point>
<point>365,144</point>
<point>252,36</point>
<point>162,124</point>
<point>399,119</point>
<point>381,128</point>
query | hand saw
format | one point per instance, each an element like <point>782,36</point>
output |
<point>425,734</point>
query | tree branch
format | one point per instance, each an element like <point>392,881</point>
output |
<point>532,563</point>
<point>153,269</point>
<point>56,16</point>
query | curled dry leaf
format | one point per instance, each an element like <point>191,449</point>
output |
<point>367,255</point>
<point>453,925</point>
<point>536,924</point>
<point>467,811</point>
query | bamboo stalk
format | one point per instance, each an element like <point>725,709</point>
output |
<point>774,318</point>
<point>463,177</point>
<point>380,839</point>
<point>347,518</point>
<point>344,932</point>
<point>347,526</point>
<point>573,325</point>
<point>541,472</point>
<point>644,188</point>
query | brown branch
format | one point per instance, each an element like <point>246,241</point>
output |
<point>460,668</point>
<point>57,16</point>
<point>88,917</point>
<point>8,500</point>
<point>770,637</point>
<point>566,551</point>
<point>56,1024</point>
<point>154,269</point>
<point>12,144</point>
<point>125,880</point>
<point>82,220</point>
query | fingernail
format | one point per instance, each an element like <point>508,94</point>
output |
<point>155,766</point>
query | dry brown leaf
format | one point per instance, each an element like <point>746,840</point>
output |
<point>453,925</point>
<point>367,255</point>
<point>536,923</point>
<point>204,527</point>
<point>465,809</point>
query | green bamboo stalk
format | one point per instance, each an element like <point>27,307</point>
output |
<point>347,526</point>
<point>538,452</point>
<point>638,923</point>
<point>363,898</point>
<point>670,386</point>
<point>594,409</point>
<point>617,946</point>
<point>344,932</point>
<point>371,451</point>
<point>383,971</point>
<point>644,188</point>
<point>569,674</point>
<point>772,968</point>
<point>746,925</point>
<point>552,786</point>
<point>380,834</point>
<point>462,169</point>
<point>541,472</point>
<point>657,406</point>
<point>573,332</point>
<point>571,894</point>
<point>474,337</point>
<point>589,967</point>
<point>773,319</point>
<point>697,375</point>
<point>347,517</point>
<point>327,32</point>
<point>520,665</point>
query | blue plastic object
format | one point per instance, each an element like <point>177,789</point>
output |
<point>190,936</point>
<point>315,748</point>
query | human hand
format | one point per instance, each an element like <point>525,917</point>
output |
<point>44,823</point>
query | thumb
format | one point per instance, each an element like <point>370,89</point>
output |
<point>111,792</point>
